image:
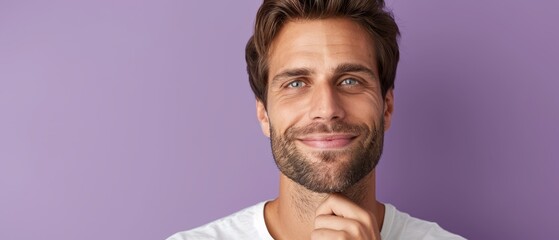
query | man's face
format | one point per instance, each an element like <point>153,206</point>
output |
<point>325,113</point>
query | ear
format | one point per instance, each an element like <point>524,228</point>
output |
<point>262,116</point>
<point>388,108</point>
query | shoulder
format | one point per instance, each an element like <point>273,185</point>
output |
<point>400,225</point>
<point>244,224</point>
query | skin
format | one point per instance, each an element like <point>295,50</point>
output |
<point>321,93</point>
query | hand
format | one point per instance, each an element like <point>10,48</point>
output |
<point>340,218</point>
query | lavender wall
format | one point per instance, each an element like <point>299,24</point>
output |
<point>134,119</point>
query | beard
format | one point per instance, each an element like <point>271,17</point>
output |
<point>328,171</point>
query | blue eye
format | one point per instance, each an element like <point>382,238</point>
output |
<point>296,84</point>
<point>349,81</point>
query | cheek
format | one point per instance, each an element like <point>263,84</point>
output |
<point>283,116</point>
<point>366,108</point>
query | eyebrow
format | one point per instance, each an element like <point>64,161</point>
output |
<point>339,70</point>
<point>354,68</point>
<point>294,72</point>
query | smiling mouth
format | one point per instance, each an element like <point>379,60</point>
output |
<point>326,142</point>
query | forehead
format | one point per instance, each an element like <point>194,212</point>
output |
<point>321,44</point>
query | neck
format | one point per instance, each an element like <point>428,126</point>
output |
<point>291,215</point>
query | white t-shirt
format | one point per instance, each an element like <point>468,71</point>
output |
<point>249,224</point>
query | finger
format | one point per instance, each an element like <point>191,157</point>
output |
<point>339,205</point>
<point>351,226</point>
<point>325,234</point>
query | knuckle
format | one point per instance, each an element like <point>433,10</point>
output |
<point>368,219</point>
<point>345,235</point>
<point>354,228</point>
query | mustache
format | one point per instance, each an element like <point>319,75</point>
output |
<point>318,127</point>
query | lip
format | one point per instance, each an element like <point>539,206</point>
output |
<point>327,141</point>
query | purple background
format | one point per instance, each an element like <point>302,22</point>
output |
<point>135,120</point>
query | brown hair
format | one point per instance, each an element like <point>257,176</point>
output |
<point>370,14</point>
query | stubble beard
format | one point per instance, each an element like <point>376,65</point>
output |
<point>328,171</point>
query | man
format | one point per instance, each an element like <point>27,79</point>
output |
<point>323,75</point>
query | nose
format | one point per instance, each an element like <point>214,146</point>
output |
<point>325,104</point>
